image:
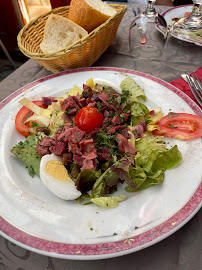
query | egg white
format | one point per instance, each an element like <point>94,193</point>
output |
<point>62,189</point>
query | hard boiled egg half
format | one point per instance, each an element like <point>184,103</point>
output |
<point>55,177</point>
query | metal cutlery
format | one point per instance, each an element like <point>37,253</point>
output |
<point>195,86</point>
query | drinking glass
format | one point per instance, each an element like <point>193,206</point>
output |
<point>190,24</point>
<point>183,44</point>
<point>145,41</point>
<point>150,11</point>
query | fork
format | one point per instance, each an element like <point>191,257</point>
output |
<point>195,86</point>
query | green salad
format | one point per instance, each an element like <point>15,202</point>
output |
<point>92,140</point>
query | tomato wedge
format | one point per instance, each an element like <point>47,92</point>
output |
<point>22,115</point>
<point>88,119</point>
<point>181,126</point>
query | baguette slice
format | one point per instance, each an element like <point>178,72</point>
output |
<point>89,14</point>
<point>59,33</point>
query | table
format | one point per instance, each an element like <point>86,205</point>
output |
<point>181,250</point>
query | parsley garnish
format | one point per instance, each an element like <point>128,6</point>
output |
<point>99,106</point>
<point>172,126</point>
<point>107,140</point>
<point>35,124</point>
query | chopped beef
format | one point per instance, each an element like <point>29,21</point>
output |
<point>125,133</point>
<point>73,144</point>
<point>66,118</point>
<point>106,122</point>
<point>82,102</point>
<point>78,159</point>
<point>61,137</point>
<point>106,113</point>
<point>94,132</point>
<point>92,104</point>
<point>42,150</point>
<point>74,134</point>
<point>143,124</point>
<point>89,164</point>
<point>44,130</point>
<point>89,100</point>
<point>116,120</point>
<point>152,113</point>
<point>72,111</point>
<point>69,103</point>
<point>67,158</point>
<point>46,101</point>
<point>124,146</point>
<point>67,126</point>
<point>88,149</point>
<point>95,96</point>
<point>104,153</point>
<point>120,119</point>
<point>46,141</point>
<point>110,101</point>
<point>104,97</point>
<point>87,91</point>
<point>103,108</point>
<point>60,134</point>
<point>139,129</point>
<point>113,129</point>
<point>59,148</point>
<point>74,148</point>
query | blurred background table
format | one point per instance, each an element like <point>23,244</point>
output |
<point>183,249</point>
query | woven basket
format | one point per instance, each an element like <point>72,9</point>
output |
<point>83,53</point>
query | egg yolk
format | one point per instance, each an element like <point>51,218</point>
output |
<point>57,170</point>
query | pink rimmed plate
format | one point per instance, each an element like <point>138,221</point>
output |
<point>36,220</point>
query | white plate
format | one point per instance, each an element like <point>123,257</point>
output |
<point>178,12</point>
<point>35,219</point>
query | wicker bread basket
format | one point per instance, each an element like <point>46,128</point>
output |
<point>80,54</point>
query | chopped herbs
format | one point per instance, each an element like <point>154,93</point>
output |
<point>172,126</point>
<point>35,124</point>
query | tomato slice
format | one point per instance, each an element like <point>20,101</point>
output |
<point>22,115</point>
<point>181,126</point>
<point>88,119</point>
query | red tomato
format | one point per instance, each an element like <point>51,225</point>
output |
<point>88,119</point>
<point>22,115</point>
<point>181,126</point>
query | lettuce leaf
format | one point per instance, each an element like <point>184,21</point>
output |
<point>153,160</point>
<point>138,112</point>
<point>149,181</point>
<point>122,169</point>
<point>167,159</point>
<point>103,184</point>
<point>26,152</point>
<point>86,180</point>
<point>84,199</point>
<point>132,90</point>
<point>108,202</point>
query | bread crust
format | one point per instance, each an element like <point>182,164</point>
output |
<point>84,15</point>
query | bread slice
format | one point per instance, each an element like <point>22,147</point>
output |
<point>59,33</point>
<point>89,14</point>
